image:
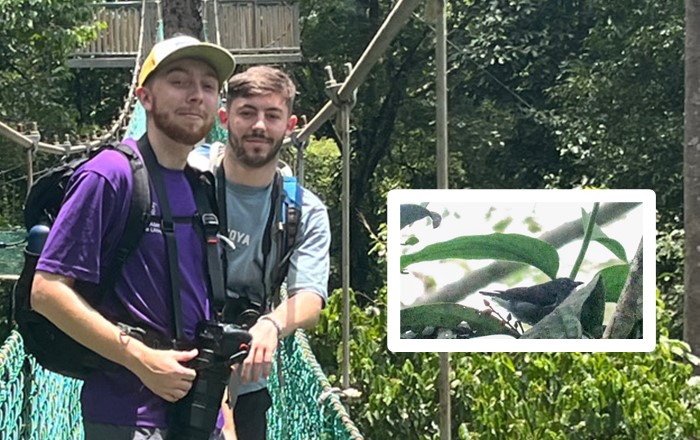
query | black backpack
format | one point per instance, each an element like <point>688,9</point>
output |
<point>51,347</point>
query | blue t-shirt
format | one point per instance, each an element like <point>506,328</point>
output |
<point>81,245</point>
<point>248,209</point>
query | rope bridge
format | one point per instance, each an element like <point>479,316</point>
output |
<point>36,404</point>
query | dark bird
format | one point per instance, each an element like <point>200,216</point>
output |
<point>411,213</point>
<point>531,304</point>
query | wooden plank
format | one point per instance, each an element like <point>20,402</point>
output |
<point>241,58</point>
<point>271,58</point>
<point>246,26</point>
<point>101,63</point>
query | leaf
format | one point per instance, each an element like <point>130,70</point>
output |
<point>614,278</point>
<point>449,315</point>
<point>613,246</point>
<point>410,241</point>
<point>510,247</point>
<point>502,225</point>
<point>565,321</point>
<point>593,310</point>
<point>411,213</point>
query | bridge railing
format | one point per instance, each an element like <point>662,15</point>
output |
<point>255,31</point>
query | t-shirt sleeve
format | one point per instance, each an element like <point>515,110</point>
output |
<point>87,225</point>
<point>310,262</point>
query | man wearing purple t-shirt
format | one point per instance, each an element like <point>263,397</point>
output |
<point>179,85</point>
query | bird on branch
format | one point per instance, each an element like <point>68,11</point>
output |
<point>531,304</point>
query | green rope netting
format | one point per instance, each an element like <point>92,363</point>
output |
<point>36,404</point>
<point>304,405</point>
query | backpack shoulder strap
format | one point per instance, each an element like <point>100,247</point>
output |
<point>292,201</point>
<point>291,197</point>
<point>139,213</point>
<point>203,187</point>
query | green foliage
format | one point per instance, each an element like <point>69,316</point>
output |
<point>669,268</point>
<point>601,237</point>
<point>37,37</point>
<point>510,247</point>
<point>614,278</point>
<point>322,175</point>
<point>450,315</point>
<point>524,395</point>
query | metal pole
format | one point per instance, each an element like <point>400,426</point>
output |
<point>442,171</point>
<point>345,123</point>
<point>441,94</point>
<point>300,163</point>
<point>30,168</point>
<point>397,18</point>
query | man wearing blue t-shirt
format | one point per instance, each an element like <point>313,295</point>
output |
<point>179,85</point>
<point>258,116</point>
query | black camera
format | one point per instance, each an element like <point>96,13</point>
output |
<point>242,311</point>
<point>220,346</point>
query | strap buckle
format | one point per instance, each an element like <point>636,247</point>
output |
<point>168,227</point>
<point>210,223</point>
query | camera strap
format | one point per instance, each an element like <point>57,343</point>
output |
<point>210,229</point>
<point>266,241</point>
<point>168,229</point>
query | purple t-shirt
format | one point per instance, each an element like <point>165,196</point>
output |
<point>82,244</point>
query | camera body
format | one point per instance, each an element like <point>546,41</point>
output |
<point>242,311</point>
<point>220,346</point>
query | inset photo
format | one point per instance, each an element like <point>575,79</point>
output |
<point>521,270</point>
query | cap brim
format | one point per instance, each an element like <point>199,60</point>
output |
<point>219,59</point>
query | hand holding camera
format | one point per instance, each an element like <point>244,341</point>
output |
<point>220,346</point>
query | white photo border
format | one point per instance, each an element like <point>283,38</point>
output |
<point>401,196</point>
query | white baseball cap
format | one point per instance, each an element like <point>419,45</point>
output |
<point>184,46</point>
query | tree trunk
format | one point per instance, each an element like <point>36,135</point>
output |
<point>691,176</point>
<point>182,16</point>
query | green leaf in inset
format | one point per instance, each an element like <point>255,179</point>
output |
<point>449,315</point>
<point>593,310</point>
<point>503,224</point>
<point>533,225</point>
<point>614,278</point>
<point>410,241</point>
<point>612,245</point>
<point>509,247</point>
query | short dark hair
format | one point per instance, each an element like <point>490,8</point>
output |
<point>261,80</point>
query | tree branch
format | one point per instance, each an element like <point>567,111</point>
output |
<point>629,307</point>
<point>558,237</point>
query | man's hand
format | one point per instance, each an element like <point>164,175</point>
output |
<point>258,363</point>
<point>163,373</point>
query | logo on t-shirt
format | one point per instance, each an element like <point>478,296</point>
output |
<point>153,226</point>
<point>239,238</point>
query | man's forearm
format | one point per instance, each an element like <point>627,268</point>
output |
<point>53,297</point>
<point>300,311</point>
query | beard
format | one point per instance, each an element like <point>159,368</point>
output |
<point>253,160</point>
<point>183,135</point>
